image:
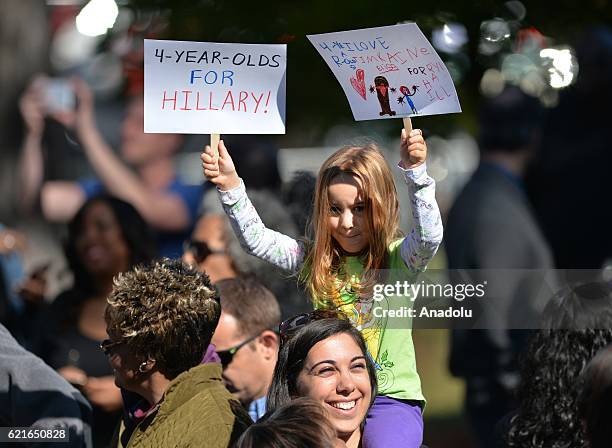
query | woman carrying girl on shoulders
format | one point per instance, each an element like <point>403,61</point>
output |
<point>355,245</point>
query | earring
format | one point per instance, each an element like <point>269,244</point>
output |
<point>143,367</point>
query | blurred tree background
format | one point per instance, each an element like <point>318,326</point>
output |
<point>315,101</point>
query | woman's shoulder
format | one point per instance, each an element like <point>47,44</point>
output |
<point>198,395</point>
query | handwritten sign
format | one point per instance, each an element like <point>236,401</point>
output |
<point>205,87</point>
<point>388,72</point>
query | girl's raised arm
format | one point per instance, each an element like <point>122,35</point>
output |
<point>421,244</point>
<point>267,244</point>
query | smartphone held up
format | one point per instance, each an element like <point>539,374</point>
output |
<point>59,95</point>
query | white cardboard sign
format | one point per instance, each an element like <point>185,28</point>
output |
<point>388,72</point>
<point>207,87</point>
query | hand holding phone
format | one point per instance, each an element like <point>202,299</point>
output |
<point>59,95</point>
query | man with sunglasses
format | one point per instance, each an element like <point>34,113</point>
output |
<point>207,248</point>
<point>246,342</point>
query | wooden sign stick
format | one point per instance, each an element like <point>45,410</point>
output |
<point>214,143</point>
<point>407,126</point>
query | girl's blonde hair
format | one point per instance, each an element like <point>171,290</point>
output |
<point>323,261</point>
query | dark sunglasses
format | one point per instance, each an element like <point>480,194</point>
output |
<point>290,326</point>
<point>200,250</point>
<point>107,345</point>
<point>227,356</point>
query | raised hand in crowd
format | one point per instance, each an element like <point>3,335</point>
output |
<point>153,187</point>
<point>413,149</point>
<point>219,168</point>
<point>33,109</point>
<point>35,106</point>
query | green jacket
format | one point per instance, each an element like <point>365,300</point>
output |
<point>196,411</point>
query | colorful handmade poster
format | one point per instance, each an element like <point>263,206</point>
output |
<point>388,72</point>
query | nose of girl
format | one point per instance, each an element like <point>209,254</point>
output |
<point>347,220</point>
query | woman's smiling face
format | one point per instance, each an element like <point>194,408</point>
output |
<point>100,244</point>
<point>335,374</point>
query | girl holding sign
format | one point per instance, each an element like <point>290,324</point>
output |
<point>355,254</point>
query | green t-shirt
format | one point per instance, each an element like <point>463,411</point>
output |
<point>391,348</point>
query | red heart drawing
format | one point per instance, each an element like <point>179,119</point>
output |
<point>359,83</point>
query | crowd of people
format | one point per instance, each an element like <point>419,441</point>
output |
<point>193,320</point>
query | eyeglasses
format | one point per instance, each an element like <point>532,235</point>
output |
<point>200,249</point>
<point>290,326</point>
<point>227,356</point>
<point>107,345</point>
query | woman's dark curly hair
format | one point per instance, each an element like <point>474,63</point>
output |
<point>166,311</point>
<point>577,324</point>
<point>134,229</point>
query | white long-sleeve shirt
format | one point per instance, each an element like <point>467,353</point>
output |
<point>417,248</point>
